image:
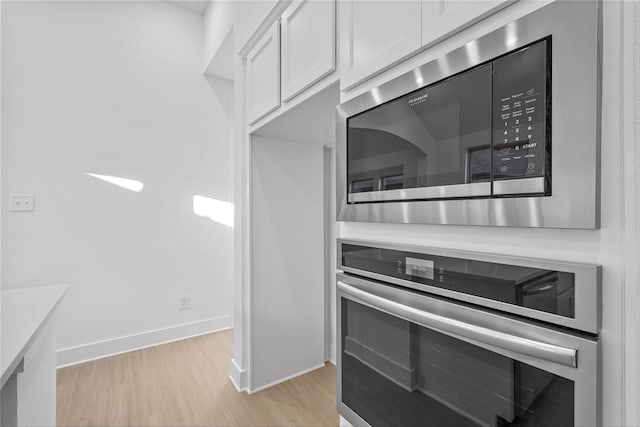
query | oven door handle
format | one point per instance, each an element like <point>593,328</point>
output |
<point>513,343</point>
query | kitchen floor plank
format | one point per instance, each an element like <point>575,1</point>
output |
<point>186,383</point>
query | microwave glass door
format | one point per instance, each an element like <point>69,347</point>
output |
<point>397,373</point>
<point>425,143</point>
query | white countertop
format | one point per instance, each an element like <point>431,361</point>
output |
<point>24,313</point>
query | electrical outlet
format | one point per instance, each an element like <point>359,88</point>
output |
<point>183,302</point>
<point>22,203</point>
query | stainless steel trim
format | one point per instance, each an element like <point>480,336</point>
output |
<point>445,191</point>
<point>347,413</point>
<point>516,344</point>
<point>576,112</point>
<point>588,279</point>
<point>519,186</point>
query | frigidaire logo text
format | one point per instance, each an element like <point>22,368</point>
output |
<point>418,99</point>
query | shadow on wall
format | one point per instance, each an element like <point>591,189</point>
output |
<point>223,89</point>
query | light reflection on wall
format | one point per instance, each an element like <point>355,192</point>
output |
<point>129,184</point>
<point>216,210</point>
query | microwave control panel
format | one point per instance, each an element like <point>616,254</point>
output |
<point>521,139</point>
<point>545,290</point>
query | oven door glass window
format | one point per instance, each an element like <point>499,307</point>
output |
<point>397,373</point>
<point>437,136</point>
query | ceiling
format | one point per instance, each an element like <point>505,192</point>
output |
<point>197,6</point>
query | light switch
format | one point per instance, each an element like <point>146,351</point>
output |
<point>22,203</point>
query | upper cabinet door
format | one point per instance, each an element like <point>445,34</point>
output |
<point>263,76</point>
<point>374,35</point>
<point>441,18</point>
<point>308,45</point>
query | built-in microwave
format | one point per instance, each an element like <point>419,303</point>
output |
<point>501,131</point>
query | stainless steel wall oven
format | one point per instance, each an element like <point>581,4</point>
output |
<point>440,337</point>
<point>502,131</point>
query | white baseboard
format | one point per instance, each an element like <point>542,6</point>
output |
<point>290,377</point>
<point>111,347</point>
<point>238,376</point>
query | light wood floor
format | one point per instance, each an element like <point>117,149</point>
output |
<point>186,384</point>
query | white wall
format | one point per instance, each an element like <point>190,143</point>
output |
<point>1,126</point>
<point>630,35</point>
<point>287,268</point>
<point>115,88</point>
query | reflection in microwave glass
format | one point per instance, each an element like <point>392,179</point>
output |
<point>362,185</point>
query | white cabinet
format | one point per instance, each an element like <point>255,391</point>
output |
<point>376,35</point>
<point>263,75</point>
<point>441,18</point>
<point>308,45</point>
